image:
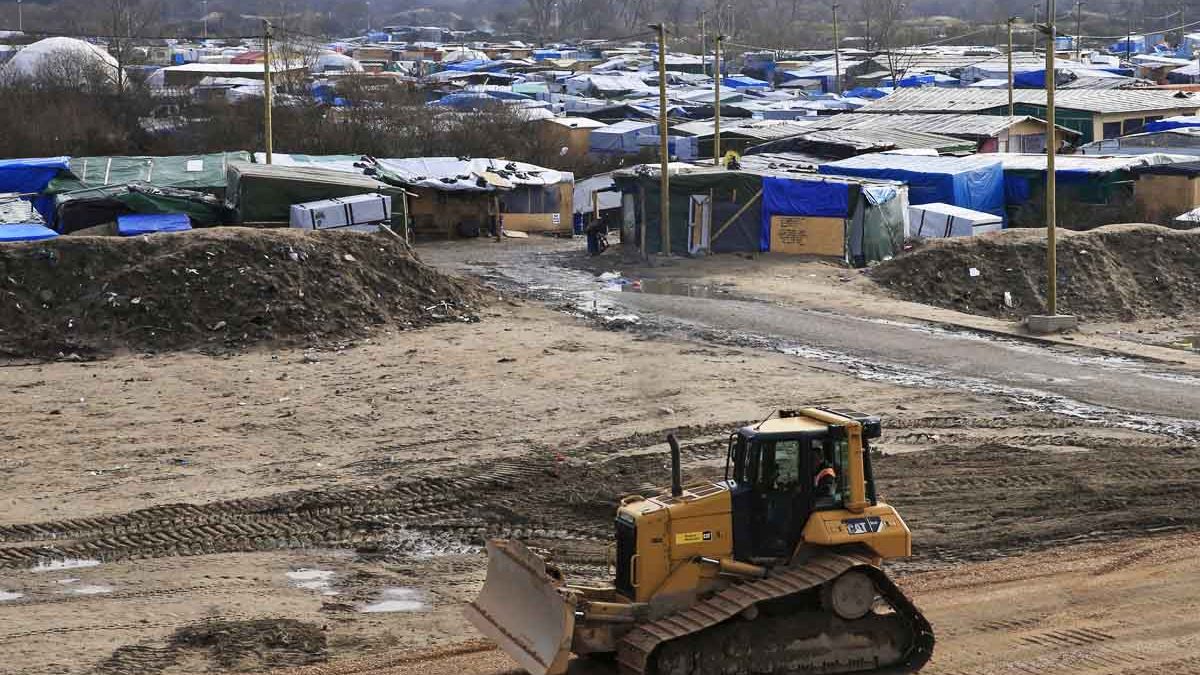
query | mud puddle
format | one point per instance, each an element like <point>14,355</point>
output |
<point>64,564</point>
<point>397,599</point>
<point>313,580</point>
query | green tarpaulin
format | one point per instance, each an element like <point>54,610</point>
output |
<point>264,193</point>
<point>80,209</point>
<point>205,173</point>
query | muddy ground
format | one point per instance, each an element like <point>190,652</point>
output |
<point>185,513</point>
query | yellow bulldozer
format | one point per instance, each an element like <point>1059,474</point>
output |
<point>775,569</point>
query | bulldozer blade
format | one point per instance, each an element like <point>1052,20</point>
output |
<point>522,610</point>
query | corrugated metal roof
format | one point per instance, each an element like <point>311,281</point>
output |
<point>900,139</point>
<point>1084,163</point>
<point>911,63</point>
<point>948,124</point>
<point>935,100</point>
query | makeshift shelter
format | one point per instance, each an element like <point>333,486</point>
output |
<point>855,221</point>
<point>264,193</point>
<point>70,62</point>
<point>459,197</point>
<point>89,207</point>
<point>1167,190</point>
<point>721,211</point>
<point>622,137</point>
<point>1097,190</point>
<point>975,182</point>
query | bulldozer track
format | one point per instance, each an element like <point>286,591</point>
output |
<point>636,648</point>
<point>288,520</point>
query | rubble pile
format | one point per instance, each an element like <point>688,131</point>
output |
<point>1117,272</point>
<point>216,288</point>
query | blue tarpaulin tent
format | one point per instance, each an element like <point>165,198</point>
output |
<point>788,197</point>
<point>975,182</point>
<point>28,176</point>
<point>136,224</point>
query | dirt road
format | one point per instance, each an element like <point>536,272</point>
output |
<point>1087,610</point>
<point>278,508</point>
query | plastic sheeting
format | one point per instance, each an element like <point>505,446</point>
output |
<point>975,183</point>
<point>786,197</point>
<point>265,193</point>
<point>621,137</point>
<point>149,223</point>
<point>186,172</point>
<point>95,206</point>
<point>25,232</point>
<point>1183,122</point>
<point>29,176</point>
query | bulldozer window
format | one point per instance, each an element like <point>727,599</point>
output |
<point>775,465</point>
<point>834,453</point>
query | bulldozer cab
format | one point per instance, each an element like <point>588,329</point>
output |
<point>783,469</point>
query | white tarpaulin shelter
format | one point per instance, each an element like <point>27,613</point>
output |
<point>61,57</point>
<point>936,221</point>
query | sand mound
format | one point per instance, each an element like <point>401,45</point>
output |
<point>1123,272</point>
<point>217,288</point>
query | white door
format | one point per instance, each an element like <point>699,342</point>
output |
<point>699,222</point>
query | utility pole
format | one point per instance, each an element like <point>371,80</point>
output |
<point>717,105</point>
<point>267,87</point>
<point>368,16</point>
<point>837,55</point>
<point>1012,111</point>
<point>205,3</point>
<point>1052,321</point>
<point>1035,20</point>
<point>1078,7</point>
<point>20,18</point>
<point>703,45</point>
<point>664,149</point>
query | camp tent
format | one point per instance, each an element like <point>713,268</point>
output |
<point>975,182</point>
<point>621,137</point>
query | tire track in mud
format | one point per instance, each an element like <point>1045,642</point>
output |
<point>289,520</point>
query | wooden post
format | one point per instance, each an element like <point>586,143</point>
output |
<point>717,105</point>
<point>267,88</point>
<point>664,149</point>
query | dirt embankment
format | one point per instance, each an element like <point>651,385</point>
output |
<point>215,288</point>
<point>1123,272</point>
